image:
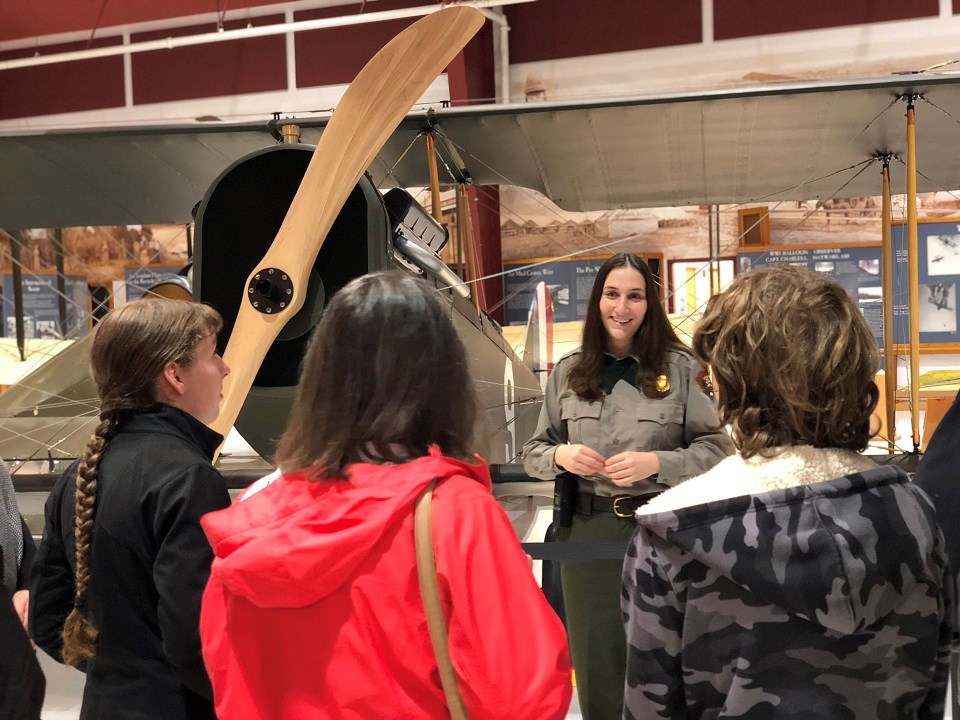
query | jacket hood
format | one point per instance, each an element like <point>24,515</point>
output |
<point>297,540</point>
<point>842,553</point>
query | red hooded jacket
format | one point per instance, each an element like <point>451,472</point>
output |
<point>313,609</point>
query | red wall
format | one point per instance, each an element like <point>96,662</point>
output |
<point>551,29</point>
<point>62,87</point>
<point>218,69</point>
<point>335,56</point>
<point>21,19</point>
<point>747,18</point>
<point>545,30</point>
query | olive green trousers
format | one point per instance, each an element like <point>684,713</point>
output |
<point>591,596</point>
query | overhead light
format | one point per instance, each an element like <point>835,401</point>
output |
<point>247,32</point>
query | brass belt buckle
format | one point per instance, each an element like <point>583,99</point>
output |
<point>616,507</point>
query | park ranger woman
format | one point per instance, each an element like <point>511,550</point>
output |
<point>630,413</point>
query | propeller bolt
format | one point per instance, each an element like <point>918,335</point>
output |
<point>267,287</point>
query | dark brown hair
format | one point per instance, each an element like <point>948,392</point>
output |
<point>650,343</point>
<point>131,347</point>
<point>386,377</point>
<point>793,359</point>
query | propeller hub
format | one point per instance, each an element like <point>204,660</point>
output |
<point>270,291</point>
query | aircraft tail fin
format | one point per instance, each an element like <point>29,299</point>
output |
<point>538,349</point>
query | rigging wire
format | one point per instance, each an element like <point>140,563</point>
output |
<point>40,356</point>
<point>221,15</point>
<point>861,167</point>
<point>555,211</point>
<point>736,241</point>
<point>795,187</point>
<point>554,241</point>
<point>96,24</point>
<point>937,107</point>
<point>608,244</point>
<point>939,65</point>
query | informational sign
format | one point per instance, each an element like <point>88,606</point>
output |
<point>938,262</point>
<point>41,306</point>
<point>856,268</point>
<point>136,281</point>
<point>569,283</point>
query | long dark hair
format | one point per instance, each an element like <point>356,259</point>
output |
<point>650,343</point>
<point>386,377</point>
<point>132,346</point>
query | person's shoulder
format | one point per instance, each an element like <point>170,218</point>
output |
<point>567,361</point>
<point>462,485</point>
<point>569,358</point>
<point>464,503</point>
<point>681,356</point>
<point>67,479</point>
<point>462,493</point>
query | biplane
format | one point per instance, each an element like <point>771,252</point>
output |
<point>760,144</point>
<point>768,144</point>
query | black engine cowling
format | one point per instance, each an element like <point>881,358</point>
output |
<point>235,225</point>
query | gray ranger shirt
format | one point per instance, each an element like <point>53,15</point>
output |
<point>681,427</point>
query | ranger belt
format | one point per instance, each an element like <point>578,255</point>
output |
<point>623,506</point>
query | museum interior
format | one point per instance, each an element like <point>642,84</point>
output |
<point>155,149</point>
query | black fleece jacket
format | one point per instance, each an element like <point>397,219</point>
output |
<point>937,474</point>
<point>21,679</point>
<point>149,564</point>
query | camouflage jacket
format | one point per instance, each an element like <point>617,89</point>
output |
<point>826,600</point>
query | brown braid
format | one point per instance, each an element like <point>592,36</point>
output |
<point>132,346</point>
<point>79,633</point>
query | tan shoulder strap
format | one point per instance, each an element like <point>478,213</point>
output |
<point>430,590</point>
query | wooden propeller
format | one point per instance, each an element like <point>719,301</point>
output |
<point>370,110</point>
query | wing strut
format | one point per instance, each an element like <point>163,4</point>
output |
<point>913,273</point>
<point>889,356</point>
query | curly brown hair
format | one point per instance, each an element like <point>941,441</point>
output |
<point>793,359</point>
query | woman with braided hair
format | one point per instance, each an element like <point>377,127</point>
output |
<point>118,576</point>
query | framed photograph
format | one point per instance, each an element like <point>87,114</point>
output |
<point>856,267</point>
<point>938,261</point>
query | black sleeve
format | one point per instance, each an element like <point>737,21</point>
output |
<point>29,552</point>
<point>937,476</point>
<point>182,567</point>
<point>52,583</point>
<point>22,688</point>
